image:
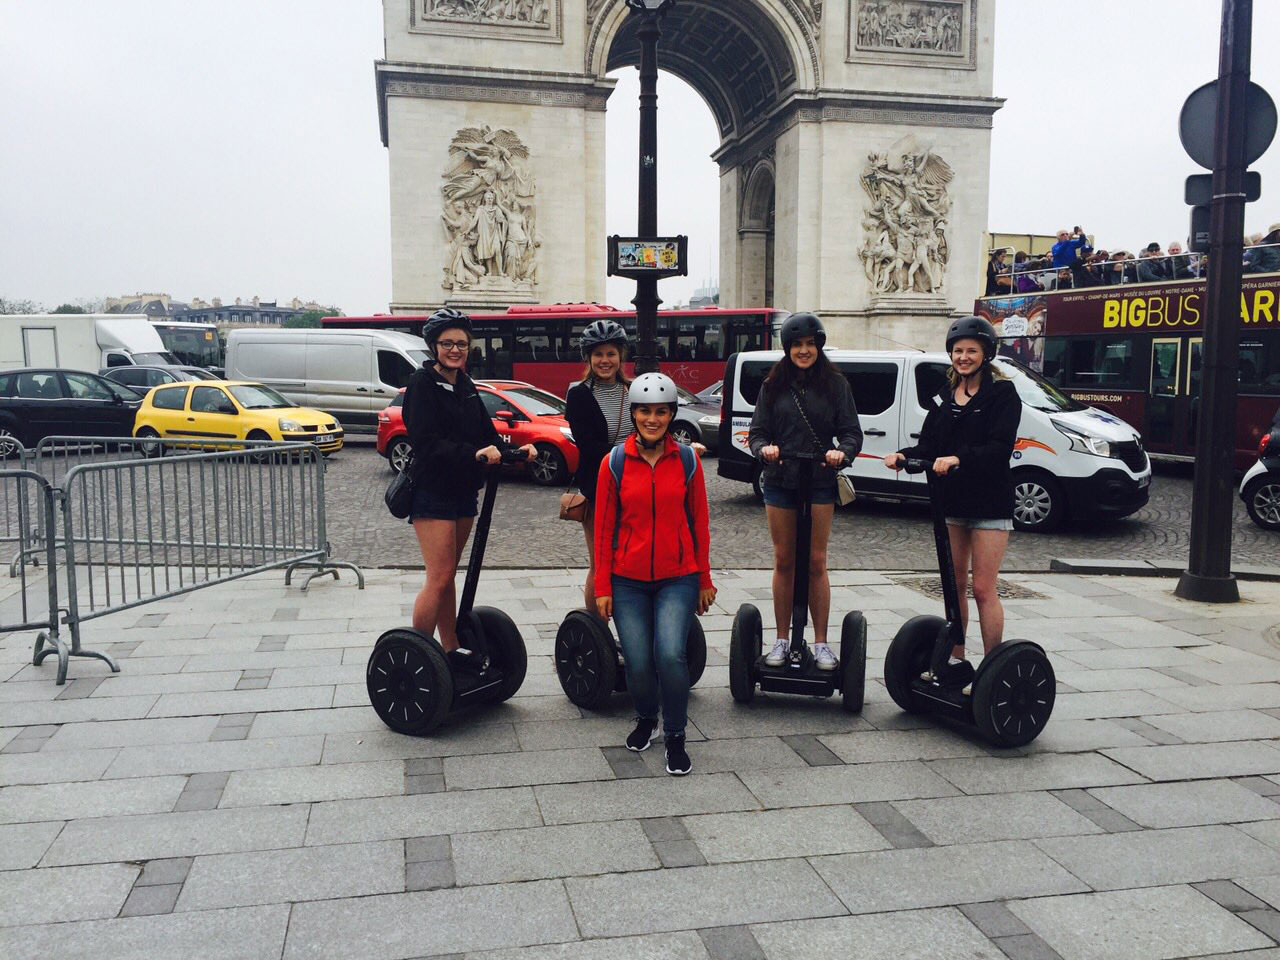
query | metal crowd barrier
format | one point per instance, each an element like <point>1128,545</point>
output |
<point>127,521</point>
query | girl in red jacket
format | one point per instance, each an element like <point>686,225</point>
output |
<point>653,566</point>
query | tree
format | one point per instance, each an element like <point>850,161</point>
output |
<point>18,306</point>
<point>69,308</point>
<point>309,318</point>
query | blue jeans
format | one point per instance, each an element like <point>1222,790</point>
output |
<point>653,620</point>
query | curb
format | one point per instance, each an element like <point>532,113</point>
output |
<point>1152,568</point>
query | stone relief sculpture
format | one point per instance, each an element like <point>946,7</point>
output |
<point>488,213</point>
<point>924,25</point>
<point>905,246</point>
<point>529,13</point>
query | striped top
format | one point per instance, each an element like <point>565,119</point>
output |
<point>612,398</point>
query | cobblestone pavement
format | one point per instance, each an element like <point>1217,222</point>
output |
<point>230,795</point>
<point>866,536</point>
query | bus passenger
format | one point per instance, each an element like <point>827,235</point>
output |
<point>452,437</point>
<point>970,429</point>
<point>653,563</point>
<point>805,406</point>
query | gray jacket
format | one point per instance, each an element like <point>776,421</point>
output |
<point>777,421</point>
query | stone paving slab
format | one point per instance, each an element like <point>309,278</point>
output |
<point>1010,816</point>
<point>543,853</point>
<point>385,818</point>
<point>781,834</point>
<point>915,935</point>
<point>1199,761</point>
<point>23,844</point>
<point>90,798</point>
<point>1150,924</point>
<point>339,781</point>
<point>1034,772</point>
<point>1195,803</point>
<point>658,946</point>
<point>848,784</point>
<point>67,893</point>
<point>131,733</point>
<point>645,797</point>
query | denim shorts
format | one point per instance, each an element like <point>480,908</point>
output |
<point>787,499</point>
<point>996,524</point>
<point>429,504</point>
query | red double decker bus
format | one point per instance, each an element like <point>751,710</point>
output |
<point>539,344</point>
<point>1135,350</point>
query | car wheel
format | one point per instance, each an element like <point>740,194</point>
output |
<point>10,445</point>
<point>1262,500</point>
<point>261,456</point>
<point>549,467</point>
<point>1038,503</point>
<point>153,445</point>
<point>399,454</point>
<point>685,433</point>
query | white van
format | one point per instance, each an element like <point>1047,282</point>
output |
<point>352,374</point>
<point>80,341</point>
<point>1068,459</point>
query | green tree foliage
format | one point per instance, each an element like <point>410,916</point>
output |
<point>69,308</point>
<point>310,318</point>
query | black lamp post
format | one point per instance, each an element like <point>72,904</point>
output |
<point>646,300</point>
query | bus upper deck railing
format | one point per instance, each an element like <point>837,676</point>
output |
<point>118,523</point>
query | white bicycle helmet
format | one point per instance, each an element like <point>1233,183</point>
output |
<point>653,388</point>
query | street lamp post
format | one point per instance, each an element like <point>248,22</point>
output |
<point>646,300</point>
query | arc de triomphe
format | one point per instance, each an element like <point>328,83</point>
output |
<point>854,154</point>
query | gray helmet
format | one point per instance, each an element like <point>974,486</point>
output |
<point>802,325</point>
<point>974,328</point>
<point>653,388</point>
<point>602,331</point>
<point>446,318</point>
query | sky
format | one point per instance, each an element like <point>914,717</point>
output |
<point>231,149</point>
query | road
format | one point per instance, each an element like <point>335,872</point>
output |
<point>866,536</point>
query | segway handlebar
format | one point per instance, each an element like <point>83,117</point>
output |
<point>913,465</point>
<point>514,456</point>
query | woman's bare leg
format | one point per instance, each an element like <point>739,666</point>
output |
<point>960,547</point>
<point>819,582</point>
<point>436,607</point>
<point>782,531</point>
<point>589,529</point>
<point>988,552</point>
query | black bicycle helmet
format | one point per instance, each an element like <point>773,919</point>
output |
<point>802,325</point>
<point>601,331</point>
<point>974,328</point>
<point>446,318</point>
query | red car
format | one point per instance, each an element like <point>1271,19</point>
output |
<point>521,413</point>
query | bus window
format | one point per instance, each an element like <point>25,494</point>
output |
<point>707,345</point>
<point>1164,367</point>
<point>534,344</point>
<point>1101,362</point>
<point>746,333</point>
<point>1259,369</point>
<point>684,341</point>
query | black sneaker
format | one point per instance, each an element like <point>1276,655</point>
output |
<point>678,762</point>
<point>642,735</point>
<point>957,674</point>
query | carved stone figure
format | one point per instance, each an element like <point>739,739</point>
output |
<point>525,13</point>
<point>488,210</point>
<point>926,25</point>
<point>905,246</point>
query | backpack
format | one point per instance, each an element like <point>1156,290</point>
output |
<point>688,460</point>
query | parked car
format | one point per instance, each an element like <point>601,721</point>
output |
<point>1069,459</point>
<point>38,403</point>
<point>235,411</point>
<point>711,394</point>
<point>143,378</point>
<point>697,420</point>
<point>1260,487</point>
<point>351,374</point>
<point>521,413</point>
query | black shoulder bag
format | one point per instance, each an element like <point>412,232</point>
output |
<point>399,495</point>
<point>845,494</point>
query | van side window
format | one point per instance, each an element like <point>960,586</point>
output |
<point>393,369</point>
<point>750,377</point>
<point>171,398</point>
<point>875,386</point>
<point>930,378</point>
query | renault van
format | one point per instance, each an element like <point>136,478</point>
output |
<point>1069,459</point>
<point>352,374</point>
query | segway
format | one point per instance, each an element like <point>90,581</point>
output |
<point>799,674</point>
<point>1012,692</point>
<point>413,685</point>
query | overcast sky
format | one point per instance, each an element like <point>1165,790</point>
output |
<point>231,148</point>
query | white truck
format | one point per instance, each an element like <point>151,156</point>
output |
<point>80,341</point>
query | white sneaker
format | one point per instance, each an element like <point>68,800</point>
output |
<point>823,658</point>
<point>778,655</point>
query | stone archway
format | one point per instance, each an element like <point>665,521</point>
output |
<point>854,151</point>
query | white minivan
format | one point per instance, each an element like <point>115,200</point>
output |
<point>1068,458</point>
<point>352,374</point>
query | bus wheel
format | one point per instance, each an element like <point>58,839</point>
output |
<point>1038,502</point>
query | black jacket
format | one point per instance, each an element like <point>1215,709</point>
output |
<point>590,433</point>
<point>982,436</point>
<point>447,424</point>
<point>777,422</point>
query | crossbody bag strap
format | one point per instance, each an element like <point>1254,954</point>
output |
<point>805,417</point>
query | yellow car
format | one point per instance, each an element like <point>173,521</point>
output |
<point>232,410</point>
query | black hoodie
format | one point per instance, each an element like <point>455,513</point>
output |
<point>447,424</point>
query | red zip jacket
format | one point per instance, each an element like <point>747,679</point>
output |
<point>653,538</point>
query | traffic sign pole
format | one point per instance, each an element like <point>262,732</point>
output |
<point>1208,574</point>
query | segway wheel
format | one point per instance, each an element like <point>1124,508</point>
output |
<point>409,683</point>
<point>908,657</point>
<point>853,661</point>
<point>1013,693</point>
<point>506,650</point>
<point>696,652</point>
<point>744,650</point>
<point>586,659</point>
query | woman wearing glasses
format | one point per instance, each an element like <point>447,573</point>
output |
<point>453,439</point>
